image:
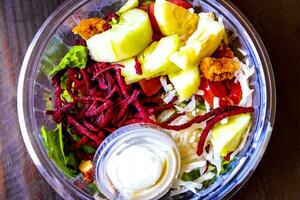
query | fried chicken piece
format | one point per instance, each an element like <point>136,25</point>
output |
<point>223,51</point>
<point>90,27</point>
<point>87,170</point>
<point>218,69</point>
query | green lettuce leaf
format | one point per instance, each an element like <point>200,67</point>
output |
<point>55,147</point>
<point>191,176</point>
<point>76,57</point>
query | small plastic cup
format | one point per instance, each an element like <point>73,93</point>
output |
<point>138,161</point>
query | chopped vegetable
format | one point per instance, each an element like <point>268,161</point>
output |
<point>124,39</point>
<point>201,118</point>
<point>155,58</point>
<point>191,176</point>
<point>236,93</point>
<point>215,120</point>
<point>202,43</point>
<point>227,137</point>
<point>55,147</point>
<point>76,57</point>
<point>150,87</point>
<point>153,19</point>
<point>174,19</point>
<point>138,67</point>
<point>186,82</point>
<point>214,89</point>
<point>129,71</point>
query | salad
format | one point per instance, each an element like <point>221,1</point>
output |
<point>158,63</point>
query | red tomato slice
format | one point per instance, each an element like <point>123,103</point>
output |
<point>208,95</point>
<point>214,89</point>
<point>236,93</point>
<point>217,88</point>
<point>153,21</point>
<point>181,3</point>
<point>151,86</point>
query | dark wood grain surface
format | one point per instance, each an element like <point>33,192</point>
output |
<point>277,22</point>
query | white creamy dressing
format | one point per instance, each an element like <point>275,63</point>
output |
<point>135,168</point>
<point>143,164</point>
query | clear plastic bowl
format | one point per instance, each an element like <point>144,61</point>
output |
<point>51,43</point>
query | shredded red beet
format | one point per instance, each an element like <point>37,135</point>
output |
<point>90,126</point>
<point>83,130</point>
<point>215,120</point>
<point>138,67</point>
<point>86,79</point>
<point>200,118</point>
<point>99,110</point>
<point>156,37</point>
<point>137,104</point>
<point>104,69</point>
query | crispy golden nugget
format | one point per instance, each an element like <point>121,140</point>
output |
<point>89,27</point>
<point>218,69</point>
<point>86,167</point>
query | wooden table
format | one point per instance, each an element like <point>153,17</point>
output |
<point>277,22</point>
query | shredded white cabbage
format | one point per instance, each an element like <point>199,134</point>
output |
<point>167,87</point>
<point>214,158</point>
<point>242,76</point>
<point>205,177</point>
<point>194,165</point>
<point>207,106</point>
<point>191,105</point>
<point>166,114</point>
<point>169,96</point>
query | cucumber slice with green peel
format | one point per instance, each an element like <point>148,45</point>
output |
<point>186,82</point>
<point>126,39</point>
<point>227,137</point>
<point>202,43</point>
<point>174,19</point>
<point>155,58</point>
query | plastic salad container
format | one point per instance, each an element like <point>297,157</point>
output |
<point>55,37</point>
